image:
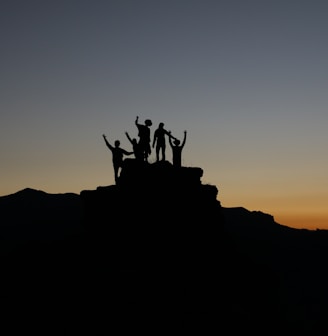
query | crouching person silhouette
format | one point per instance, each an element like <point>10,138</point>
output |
<point>117,156</point>
<point>177,150</point>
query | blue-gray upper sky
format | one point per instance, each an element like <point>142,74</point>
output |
<point>247,79</point>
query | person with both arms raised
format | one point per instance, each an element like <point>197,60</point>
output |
<point>177,150</point>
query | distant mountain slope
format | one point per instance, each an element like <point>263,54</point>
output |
<point>32,206</point>
<point>241,219</point>
<point>256,226</point>
<point>29,207</point>
<point>33,214</point>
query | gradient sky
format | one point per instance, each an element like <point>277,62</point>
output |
<point>247,79</point>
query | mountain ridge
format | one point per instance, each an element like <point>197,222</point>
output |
<point>27,194</point>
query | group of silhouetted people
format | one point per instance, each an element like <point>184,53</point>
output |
<point>142,147</point>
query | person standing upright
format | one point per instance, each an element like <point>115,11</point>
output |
<point>144,137</point>
<point>159,140</point>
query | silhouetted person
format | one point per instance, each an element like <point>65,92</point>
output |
<point>117,156</point>
<point>144,137</point>
<point>159,140</point>
<point>177,150</point>
<point>138,154</point>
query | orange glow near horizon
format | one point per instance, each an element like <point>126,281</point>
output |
<point>303,221</point>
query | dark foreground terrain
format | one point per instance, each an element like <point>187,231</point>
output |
<point>157,252</point>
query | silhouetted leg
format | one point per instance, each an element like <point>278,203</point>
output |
<point>116,168</point>
<point>157,153</point>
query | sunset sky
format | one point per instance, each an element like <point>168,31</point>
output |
<point>247,79</point>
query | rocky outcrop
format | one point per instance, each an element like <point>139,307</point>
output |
<point>154,194</point>
<point>160,223</point>
<point>157,207</point>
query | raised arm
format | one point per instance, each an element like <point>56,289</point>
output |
<point>137,120</point>
<point>184,138</point>
<point>107,143</point>
<point>128,136</point>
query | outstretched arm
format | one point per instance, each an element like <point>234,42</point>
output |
<point>137,119</point>
<point>126,152</point>
<point>170,135</point>
<point>170,141</point>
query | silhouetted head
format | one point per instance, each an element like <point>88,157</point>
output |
<point>176,142</point>
<point>148,122</point>
<point>117,143</point>
<point>134,140</point>
<point>161,125</point>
